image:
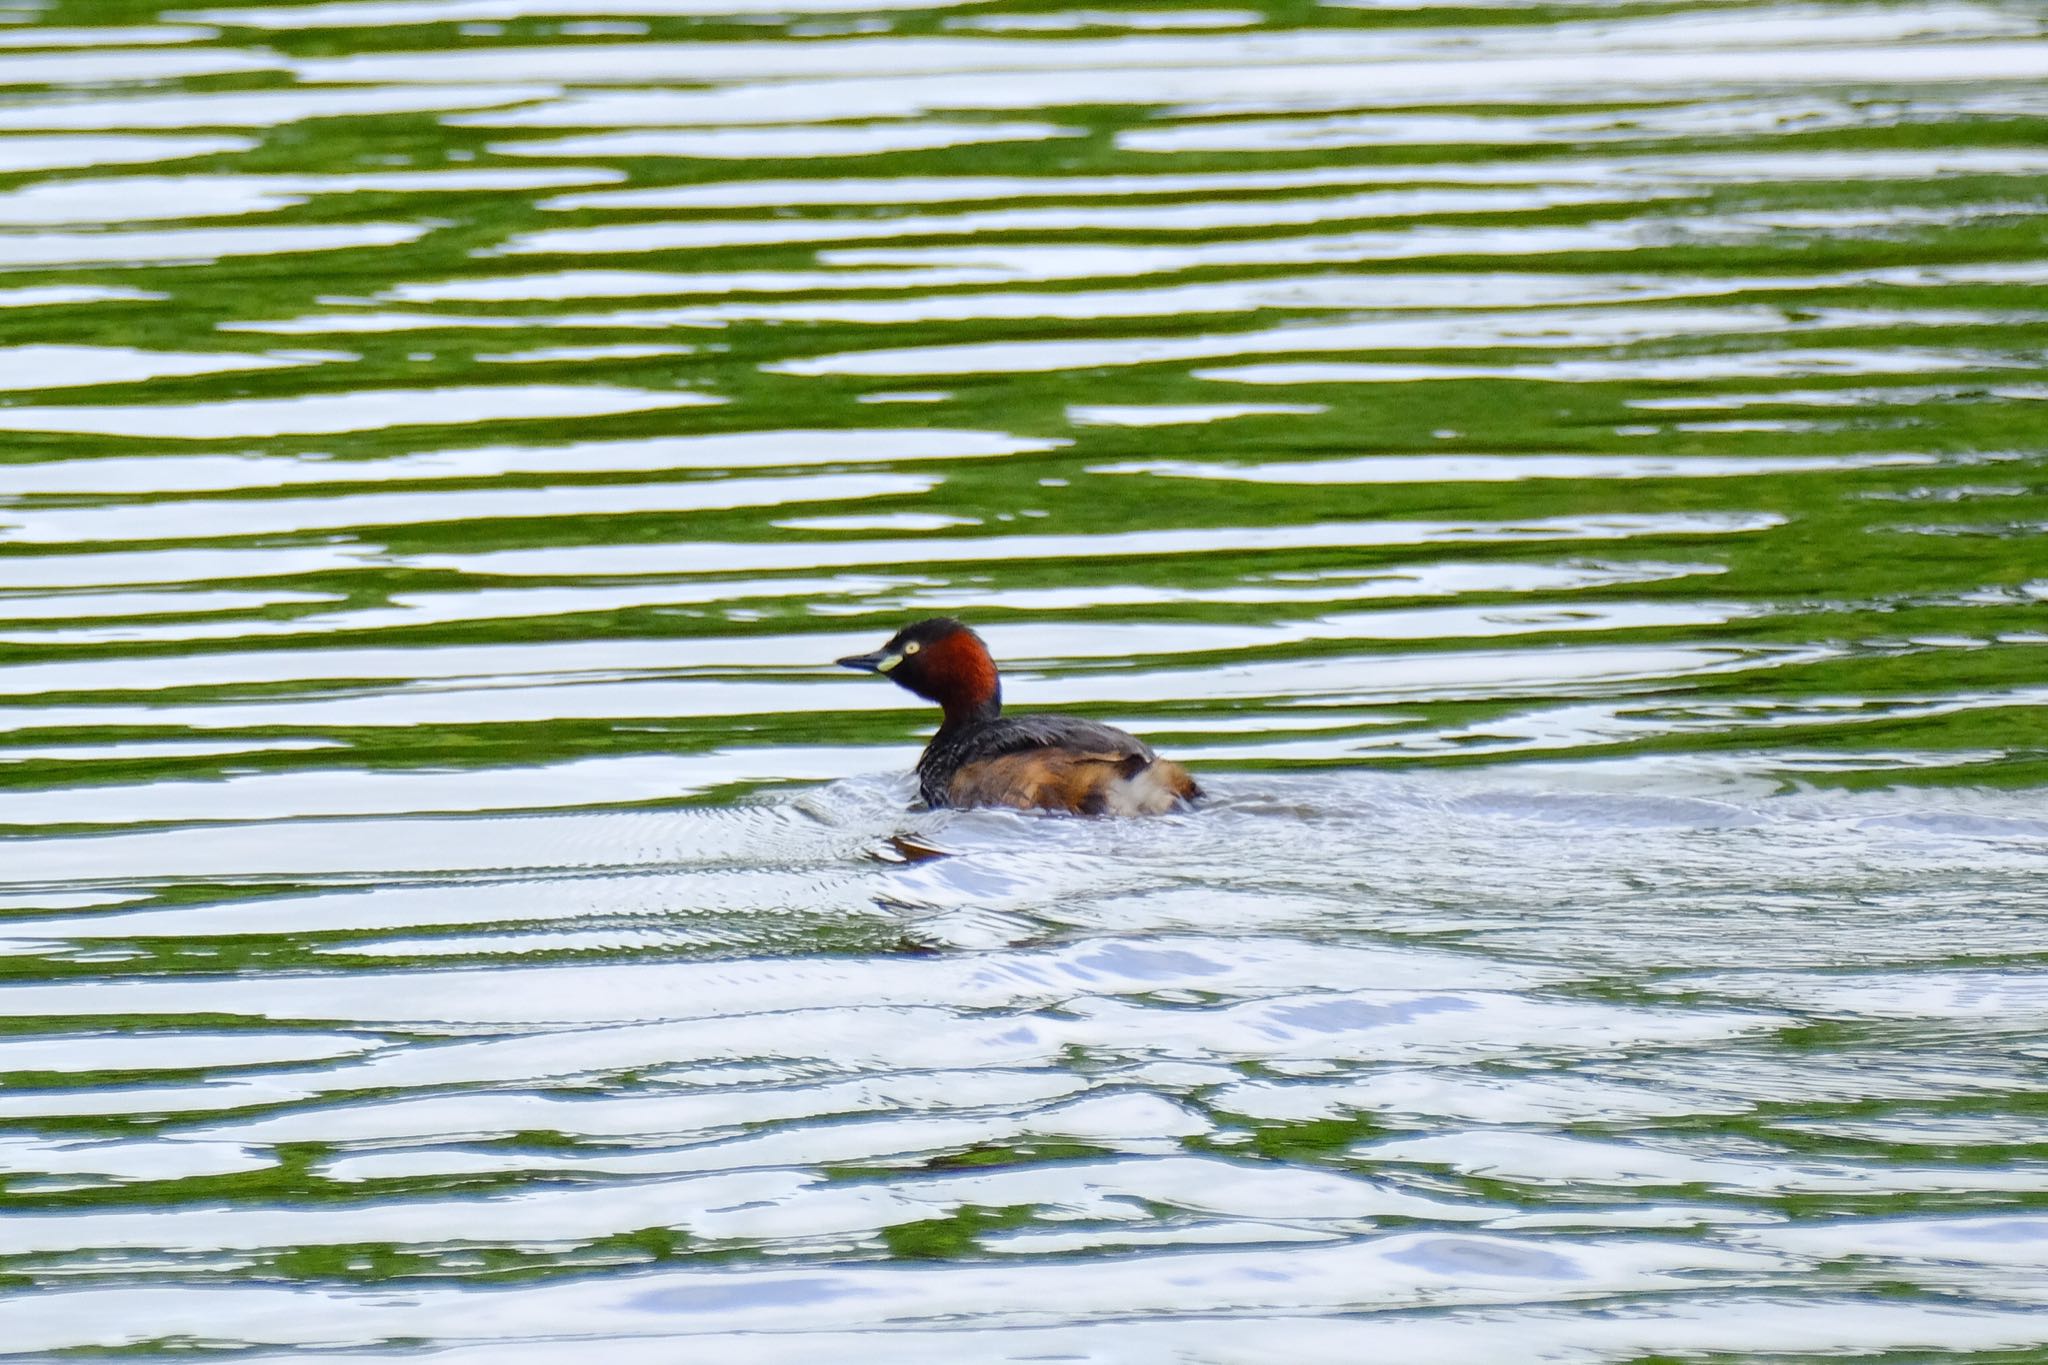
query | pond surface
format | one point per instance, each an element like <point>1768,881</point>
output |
<point>1569,480</point>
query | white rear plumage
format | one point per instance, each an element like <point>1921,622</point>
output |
<point>1152,790</point>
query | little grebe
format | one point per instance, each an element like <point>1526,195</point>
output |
<point>981,758</point>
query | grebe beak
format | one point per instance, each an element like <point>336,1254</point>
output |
<point>881,661</point>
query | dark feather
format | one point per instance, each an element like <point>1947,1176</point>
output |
<point>947,754</point>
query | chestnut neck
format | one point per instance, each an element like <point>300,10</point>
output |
<point>964,682</point>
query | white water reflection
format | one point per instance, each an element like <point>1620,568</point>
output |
<point>1151,218</point>
<point>748,672</point>
<point>455,905</point>
<point>126,568</point>
<point>1318,293</point>
<point>1541,130</point>
<point>102,37</point>
<point>55,295</point>
<point>1321,291</point>
<point>408,610</point>
<point>91,606</point>
<point>1730,1321</point>
<point>641,560</point>
<point>581,284</point>
<point>175,245</point>
<point>550,355</point>
<point>1679,168</point>
<point>1473,331</point>
<point>1060,21</point>
<point>774,143</point>
<point>845,594</point>
<point>131,199</point>
<point>393,13</point>
<point>1740,365</point>
<point>325,414</point>
<point>1802,48</point>
<point>1182,414</point>
<point>1509,468</point>
<point>89,67</point>
<point>195,520</point>
<point>258,108</point>
<point>62,367</point>
<point>174,472</point>
<point>1022,263</point>
<point>1436,579</point>
<point>57,153</point>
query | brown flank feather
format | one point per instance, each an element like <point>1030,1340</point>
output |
<point>1079,783</point>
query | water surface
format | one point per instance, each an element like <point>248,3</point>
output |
<point>1568,478</point>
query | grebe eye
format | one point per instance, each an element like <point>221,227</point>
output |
<point>911,648</point>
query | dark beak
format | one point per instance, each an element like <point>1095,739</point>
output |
<point>866,663</point>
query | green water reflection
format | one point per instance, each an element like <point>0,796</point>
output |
<point>1568,478</point>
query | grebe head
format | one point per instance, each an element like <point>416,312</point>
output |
<point>940,660</point>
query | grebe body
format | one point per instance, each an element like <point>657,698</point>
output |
<point>980,757</point>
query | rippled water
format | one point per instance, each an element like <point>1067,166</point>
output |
<point>1570,480</point>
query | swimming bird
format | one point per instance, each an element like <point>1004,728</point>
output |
<point>980,757</point>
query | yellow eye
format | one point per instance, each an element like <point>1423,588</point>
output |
<point>910,648</point>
